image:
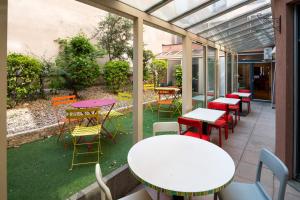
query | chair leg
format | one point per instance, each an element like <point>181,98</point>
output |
<point>235,117</point>
<point>226,132</point>
<point>220,137</point>
<point>74,152</point>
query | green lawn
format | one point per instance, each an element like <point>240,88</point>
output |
<point>40,170</point>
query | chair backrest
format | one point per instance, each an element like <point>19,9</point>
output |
<point>165,127</point>
<point>149,86</point>
<point>244,90</point>
<point>124,96</point>
<point>276,166</point>
<point>105,192</point>
<point>82,114</point>
<point>217,106</point>
<point>233,96</point>
<point>63,100</point>
<point>189,123</point>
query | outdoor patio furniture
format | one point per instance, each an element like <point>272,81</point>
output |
<point>193,128</point>
<point>115,116</point>
<point>149,87</point>
<point>105,191</point>
<point>250,191</point>
<point>62,122</point>
<point>99,103</point>
<point>207,116</point>
<point>165,127</point>
<point>165,102</point>
<point>84,135</point>
<point>181,170</point>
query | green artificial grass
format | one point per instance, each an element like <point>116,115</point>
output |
<point>40,170</point>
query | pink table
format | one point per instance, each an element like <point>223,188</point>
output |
<point>92,103</point>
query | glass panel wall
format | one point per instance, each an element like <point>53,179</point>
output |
<point>198,76</point>
<point>229,73</point>
<point>221,74</point>
<point>211,73</point>
<point>234,74</point>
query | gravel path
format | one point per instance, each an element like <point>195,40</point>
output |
<point>39,113</point>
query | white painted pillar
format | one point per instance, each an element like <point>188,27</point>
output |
<point>217,73</point>
<point>138,79</point>
<point>187,75</point>
<point>206,74</point>
<point>3,87</point>
<point>226,54</point>
<point>232,72</point>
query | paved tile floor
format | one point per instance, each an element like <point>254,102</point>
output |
<point>253,132</point>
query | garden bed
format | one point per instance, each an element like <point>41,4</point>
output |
<point>39,113</point>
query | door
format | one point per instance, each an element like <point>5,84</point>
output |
<point>261,80</point>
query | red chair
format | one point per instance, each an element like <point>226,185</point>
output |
<point>235,108</point>
<point>191,123</point>
<point>246,99</point>
<point>223,121</point>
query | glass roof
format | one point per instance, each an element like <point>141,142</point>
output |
<point>175,8</point>
<point>231,23</point>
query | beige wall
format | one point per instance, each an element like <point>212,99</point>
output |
<point>33,25</point>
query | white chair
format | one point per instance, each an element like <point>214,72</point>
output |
<point>105,192</point>
<point>165,127</point>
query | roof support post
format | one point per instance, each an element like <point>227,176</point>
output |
<point>3,89</point>
<point>217,72</point>
<point>187,75</point>
<point>138,79</point>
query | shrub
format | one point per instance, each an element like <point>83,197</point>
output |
<point>116,74</point>
<point>158,70</point>
<point>76,62</point>
<point>23,77</point>
<point>178,75</point>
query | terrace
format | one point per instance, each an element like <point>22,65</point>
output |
<point>217,37</point>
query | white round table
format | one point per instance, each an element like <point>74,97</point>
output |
<point>181,165</point>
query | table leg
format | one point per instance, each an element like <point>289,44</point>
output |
<point>205,128</point>
<point>241,105</point>
<point>104,129</point>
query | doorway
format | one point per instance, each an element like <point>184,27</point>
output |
<point>261,80</point>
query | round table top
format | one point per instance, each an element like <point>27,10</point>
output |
<point>181,165</point>
<point>92,103</point>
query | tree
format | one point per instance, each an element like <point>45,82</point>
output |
<point>158,69</point>
<point>76,62</point>
<point>23,74</point>
<point>114,34</point>
<point>116,73</point>
<point>178,75</point>
<point>147,57</point>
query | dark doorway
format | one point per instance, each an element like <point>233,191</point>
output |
<point>262,81</point>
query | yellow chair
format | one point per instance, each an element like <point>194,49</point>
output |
<point>149,87</point>
<point>62,122</point>
<point>115,116</point>
<point>83,135</point>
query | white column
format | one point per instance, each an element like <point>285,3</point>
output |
<point>217,73</point>
<point>3,86</point>
<point>138,79</point>
<point>225,54</point>
<point>232,72</point>
<point>187,75</point>
<point>206,74</point>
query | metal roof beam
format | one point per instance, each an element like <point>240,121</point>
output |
<point>249,41</point>
<point>158,6</point>
<point>238,25</point>
<point>253,41</point>
<point>254,46</point>
<point>242,31</point>
<point>244,3</point>
<point>244,38</point>
<point>189,12</point>
<point>264,7</point>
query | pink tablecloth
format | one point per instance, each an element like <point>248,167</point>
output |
<point>94,103</point>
